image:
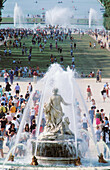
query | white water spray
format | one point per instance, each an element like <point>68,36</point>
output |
<point>18,17</point>
<point>92,16</point>
<point>58,16</point>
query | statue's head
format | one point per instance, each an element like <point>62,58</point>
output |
<point>55,90</point>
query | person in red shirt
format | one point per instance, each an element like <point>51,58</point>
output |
<point>89,93</point>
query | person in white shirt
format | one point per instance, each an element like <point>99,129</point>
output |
<point>29,88</point>
<point>85,122</point>
<point>6,77</point>
<point>32,114</point>
<point>14,121</point>
<point>8,117</point>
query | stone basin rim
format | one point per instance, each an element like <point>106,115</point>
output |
<point>56,158</point>
<point>53,141</point>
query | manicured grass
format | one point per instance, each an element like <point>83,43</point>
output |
<point>86,59</point>
<point>90,59</point>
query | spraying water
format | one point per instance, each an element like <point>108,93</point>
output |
<point>92,16</point>
<point>58,16</point>
<point>18,17</point>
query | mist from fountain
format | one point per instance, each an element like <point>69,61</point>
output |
<point>93,16</point>
<point>58,16</point>
<point>18,17</point>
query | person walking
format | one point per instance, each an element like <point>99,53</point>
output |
<point>103,92</point>
<point>98,117</point>
<point>29,88</point>
<point>98,134</point>
<point>91,113</point>
<point>85,122</point>
<point>6,76</point>
<point>89,93</point>
<point>17,89</point>
<point>11,77</point>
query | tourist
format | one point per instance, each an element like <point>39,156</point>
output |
<point>89,93</point>
<point>32,114</point>
<point>93,104</point>
<point>1,141</point>
<point>2,110</point>
<point>13,110</point>
<point>1,90</point>
<point>98,117</point>
<point>97,77</point>
<point>19,73</point>
<point>106,123</point>
<point>90,44</point>
<point>26,129</point>
<point>21,99</point>
<point>3,121</point>
<point>102,114</point>
<point>71,52</point>
<point>8,87</point>
<point>15,122</point>
<point>8,117</point>
<point>33,125</point>
<point>27,96</point>
<point>107,89</point>
<point>11,77</point>
<point>92,113</point>
<point>94,45</point>
<point>17,89</point>
<point>73,59</point>
<point>74,45</point>
<point>29,88</point>
<point>100,75</point>
<point>98,134</point>
<point>61,59</point>
<point>9,52</point>
<point>35,76</point>
<point>10,100</point>
<point>84,122</point>
<point>6,76</point>
<point>23,106</point>
<point>103,92</point>
<point>15,101</point>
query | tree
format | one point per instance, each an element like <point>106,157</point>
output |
<point>106,14</point>
<point>1,7</point>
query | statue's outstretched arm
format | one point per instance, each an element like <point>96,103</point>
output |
<point>62,100</point>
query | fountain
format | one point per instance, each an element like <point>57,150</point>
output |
<point>58,16</point>
<point>63,141</point>
<point>18,17</point>
<point>93,16</point>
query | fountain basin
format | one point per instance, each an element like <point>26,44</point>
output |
<point>55,150</point>
<point>54,161</point>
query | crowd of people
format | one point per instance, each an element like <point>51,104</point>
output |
<point>11,112</point>
<point>102,38</point>
<point>12,39</point>
<point>98,117</point>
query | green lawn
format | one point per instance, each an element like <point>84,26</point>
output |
<point>86,59</point>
